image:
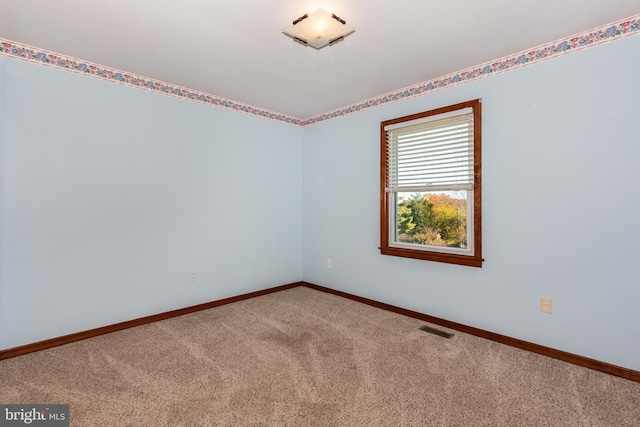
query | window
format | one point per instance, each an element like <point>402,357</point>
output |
<point>430,185</point>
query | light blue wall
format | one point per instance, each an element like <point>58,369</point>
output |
<point>2,127</point>
<point>112,196</point>
<point>560,208</point>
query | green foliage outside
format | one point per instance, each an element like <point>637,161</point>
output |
<point>433,219</point>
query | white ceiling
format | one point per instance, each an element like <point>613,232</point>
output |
<point>235,49</point>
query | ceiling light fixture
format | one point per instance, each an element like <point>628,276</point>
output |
<point>318,29</point>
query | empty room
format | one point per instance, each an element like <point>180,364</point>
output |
<point>294,213</point>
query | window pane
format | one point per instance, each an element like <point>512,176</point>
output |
<point>435,218</point>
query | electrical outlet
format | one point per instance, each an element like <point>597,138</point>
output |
<point>546,305</point>
<point>194,277</point>
<point>329,263</point>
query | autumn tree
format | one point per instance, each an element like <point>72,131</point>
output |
<point>433,219</point>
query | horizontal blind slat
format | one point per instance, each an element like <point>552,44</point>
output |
<point>425,188</point>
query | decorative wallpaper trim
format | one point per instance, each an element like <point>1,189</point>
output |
<point>606,33</point>
<point>36,55</point>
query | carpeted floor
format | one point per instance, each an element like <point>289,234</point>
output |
<point>301,357</point>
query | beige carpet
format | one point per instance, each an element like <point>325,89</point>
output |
<point>301,357</point>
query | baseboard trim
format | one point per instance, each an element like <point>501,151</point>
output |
<point>575,359</point>
<point>79,336</point>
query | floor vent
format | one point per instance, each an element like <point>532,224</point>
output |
<point>436,331</point>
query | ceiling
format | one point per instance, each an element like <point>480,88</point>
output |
<point>236,49</point>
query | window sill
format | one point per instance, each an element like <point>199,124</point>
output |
<point>467,260</point>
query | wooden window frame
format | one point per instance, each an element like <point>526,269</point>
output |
<point>386,209</point>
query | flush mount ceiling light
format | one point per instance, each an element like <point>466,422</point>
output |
<point>318,29</point>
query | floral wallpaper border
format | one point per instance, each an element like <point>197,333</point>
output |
<point>597,36</point>
<point>67,63</point>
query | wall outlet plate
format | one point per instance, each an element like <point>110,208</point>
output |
<point>546,305</point>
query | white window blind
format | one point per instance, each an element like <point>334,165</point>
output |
<point>431,154</point>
